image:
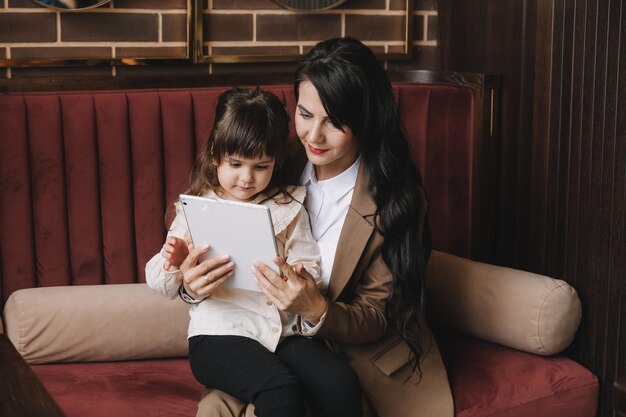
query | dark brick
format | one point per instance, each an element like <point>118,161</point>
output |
<point>3,73</point>
<point>395,49</point>
<point>60,52</point>
<point>31,27</point>
<point>364,4</point>
<point>397,4</point>
<point>382,28</point>
<point>174,28</point>
<point>418,27</point>
<point>35,3</point>
<point>301,27</point>
<point>99,27</point>
<point>227,27</point>
<point>61,72</point>
<point>149,52</point>
<point>3,53</point>
<point>424,4</point>
<point>162,70</point>
<point>256,50</point>
<point>377,49</point>
<point>433,28</point>
<point>21,4</point>
<point>423,57</point>
<point>151,4</point>
<point>243,5</point>
<point>257,68</point>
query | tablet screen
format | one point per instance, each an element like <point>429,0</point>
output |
<point>244,231</point>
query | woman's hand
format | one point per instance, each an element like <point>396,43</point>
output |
<point>201,279</point>
<point>296,291</point>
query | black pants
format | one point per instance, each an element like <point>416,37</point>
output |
<point>302,371</point>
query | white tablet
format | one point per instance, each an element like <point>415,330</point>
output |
<point>244,231</point>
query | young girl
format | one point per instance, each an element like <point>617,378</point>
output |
<point>234,333</point>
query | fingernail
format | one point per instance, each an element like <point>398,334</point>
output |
<point>225,257</point>
<point>230,264</point>
<point>256,263</point>
<point>254,270</point>
<point>205,247</point>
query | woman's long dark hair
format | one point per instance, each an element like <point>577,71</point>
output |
<point>356,92</point>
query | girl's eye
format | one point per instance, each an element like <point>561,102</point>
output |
<point>261,167</point>
<point>234,164</point>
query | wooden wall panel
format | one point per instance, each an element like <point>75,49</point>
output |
<point>578,186</point>
<point>562,162</point>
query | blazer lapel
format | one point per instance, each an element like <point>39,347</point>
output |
<point>355,233</point>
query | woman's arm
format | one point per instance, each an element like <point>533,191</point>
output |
<point>362,320</point>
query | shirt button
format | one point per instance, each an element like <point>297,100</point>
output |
<point>294,328</point>
<point>268,302</point>
<point>275,329</point>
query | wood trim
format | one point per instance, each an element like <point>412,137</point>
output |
<point>21,393</point>
<point>619,398</point>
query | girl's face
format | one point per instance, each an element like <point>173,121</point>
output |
<point>242,179</point>
<point>329,149</point>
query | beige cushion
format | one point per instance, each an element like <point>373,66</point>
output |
<point>95,323</point>
<point>514,308</point>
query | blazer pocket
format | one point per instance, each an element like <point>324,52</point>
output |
<point>392,357</point>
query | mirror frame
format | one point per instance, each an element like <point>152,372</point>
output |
<point>61,9</point>
<point>200,58</point>
<point>336,3</point>
<point>133,61</point>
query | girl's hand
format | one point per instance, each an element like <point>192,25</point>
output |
<point>201,279</point>
<point>296,291</point>
<point>175,250</point>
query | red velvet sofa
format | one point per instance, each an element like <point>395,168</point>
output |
<point>85,177</point>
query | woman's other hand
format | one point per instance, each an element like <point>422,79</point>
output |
<point>201,279</point>
<point>295,291</point>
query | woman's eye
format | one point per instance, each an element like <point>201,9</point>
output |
<point>305,116</point>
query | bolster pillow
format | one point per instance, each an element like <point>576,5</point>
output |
<point>86,323</point>
<point>514,308</point>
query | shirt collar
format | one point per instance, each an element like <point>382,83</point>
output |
<point>335,187</point>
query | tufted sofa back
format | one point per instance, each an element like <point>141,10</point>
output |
<point>85,177</point>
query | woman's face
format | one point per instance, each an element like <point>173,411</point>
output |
<point>330,150</point>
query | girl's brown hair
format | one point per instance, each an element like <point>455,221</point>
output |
<point>249,123</point>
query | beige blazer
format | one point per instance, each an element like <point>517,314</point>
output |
<point>356,328</point>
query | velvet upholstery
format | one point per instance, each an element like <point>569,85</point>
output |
<point>85,176</point>
<point>487,380</point>
<point>155,388</point>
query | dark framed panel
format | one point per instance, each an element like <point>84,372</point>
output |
<point>283,35</point>
<point>89,37</point>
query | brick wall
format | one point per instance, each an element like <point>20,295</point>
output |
<point>158,29</point>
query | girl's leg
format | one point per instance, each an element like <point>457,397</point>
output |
<point>243,368</point>
<point>331,387</point>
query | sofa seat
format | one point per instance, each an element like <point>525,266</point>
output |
<point>488,380</point>
<point>152,388</point>
<point>485,380</point>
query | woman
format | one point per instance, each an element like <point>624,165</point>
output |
<point>368,214</point>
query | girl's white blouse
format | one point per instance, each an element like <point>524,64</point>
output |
<point>236,312</point>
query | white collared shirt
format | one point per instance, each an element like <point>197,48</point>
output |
<point>327,202</point>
